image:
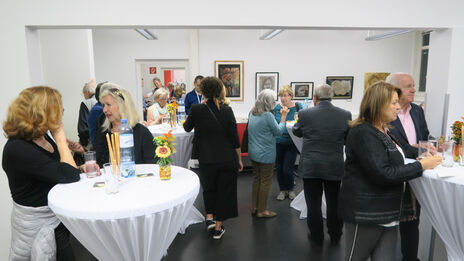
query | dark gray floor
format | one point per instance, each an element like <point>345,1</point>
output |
<point>284,237</point>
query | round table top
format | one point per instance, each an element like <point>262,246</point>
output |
<point>177,131</point>
<point>136,196</point>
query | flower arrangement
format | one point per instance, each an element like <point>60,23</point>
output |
<point>172,109</point>
<point>165,148</point>
<point>457,131</point>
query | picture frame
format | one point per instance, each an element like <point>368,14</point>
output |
<point>302,90</point>
<point>266,80</point>
<point>231,74</point>
<point>342,86</point>
<point>373,77</point>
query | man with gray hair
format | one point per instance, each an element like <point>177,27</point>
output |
<point>82,126</point>
<point>409,127</point>
<point>324,129</point>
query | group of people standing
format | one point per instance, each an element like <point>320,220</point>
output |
<point>367,190</point>
<point>359,164</point>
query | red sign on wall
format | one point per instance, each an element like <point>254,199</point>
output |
<point>152,70</point>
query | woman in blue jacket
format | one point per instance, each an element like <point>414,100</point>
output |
<point>262,132</point>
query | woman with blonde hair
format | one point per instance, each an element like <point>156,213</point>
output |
<point>372,199</point>
<point>34,162</point>
<point>262,132</point>
<point>117,105</point>
<point>286,151</point>
<point>159,109</point>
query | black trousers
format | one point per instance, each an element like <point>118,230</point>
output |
<point>64,251</point>
<point>409,232</point>
<point>313,196</point>
<point>219,183</point>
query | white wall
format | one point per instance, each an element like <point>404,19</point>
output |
<point>67,65</point>
<point>117,50</point>
<point>305,56</point>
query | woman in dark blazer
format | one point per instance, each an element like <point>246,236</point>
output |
<point>217,146</point>
<point>372,199</point>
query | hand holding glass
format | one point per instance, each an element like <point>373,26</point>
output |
<point>423,149</point>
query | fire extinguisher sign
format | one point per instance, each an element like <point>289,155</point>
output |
<point>152,70</point>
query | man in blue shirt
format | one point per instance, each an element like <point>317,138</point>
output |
<point>193,97</point>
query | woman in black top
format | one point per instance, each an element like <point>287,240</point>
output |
<point>34,163</point>
<point>117,104</point>
<point>217,146</point>
<point>372,199</point>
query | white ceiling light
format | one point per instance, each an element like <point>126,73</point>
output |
<point>147,34</point>
<point>270,34</point>
<point>385,35</point>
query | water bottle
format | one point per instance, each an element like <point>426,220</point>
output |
<point>181,112</point>
<point>126,146</point>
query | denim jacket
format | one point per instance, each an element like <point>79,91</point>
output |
<point>372,190</point>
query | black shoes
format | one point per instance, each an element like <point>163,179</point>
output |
<point>217,234</point>
<point>210,224</point>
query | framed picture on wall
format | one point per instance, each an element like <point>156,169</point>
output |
<point>373,77</point>
<point>231,74</point>
<point>342,86</point>
<point>302,90</point>
<point>266,80</point>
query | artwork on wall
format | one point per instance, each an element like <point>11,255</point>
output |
<point>302,90</point>
<point>342,86</point>
<point>372,77</point>
<point>266,80</point>
<point>231,74</point>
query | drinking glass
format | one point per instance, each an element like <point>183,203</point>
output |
<point>447,155</point>
<point>112,174</point>
<point>91,167</point>
<point>423,149</point>
<point>165,122</point>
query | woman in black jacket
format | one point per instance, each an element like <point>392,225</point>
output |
<point>372,193</point>
<point>217,146</point>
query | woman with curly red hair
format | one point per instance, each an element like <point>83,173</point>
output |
<point>34,162</point>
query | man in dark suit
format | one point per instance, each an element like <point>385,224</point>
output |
<point>324,130</point>
<point>410,126</point>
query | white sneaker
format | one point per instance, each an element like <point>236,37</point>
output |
<point>291,195</point>
<point>281,196</point>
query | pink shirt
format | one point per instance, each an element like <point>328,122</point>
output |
<point>408,125</point>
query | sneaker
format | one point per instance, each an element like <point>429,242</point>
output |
<point>281,196</point>
<point>291,195</point>
<point>210,224</point>
<point>217,234</point>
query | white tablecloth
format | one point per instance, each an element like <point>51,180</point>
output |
<point>299,202</point>
<point>137,223</point>
<point>442,200</point>
<point>183,143</point>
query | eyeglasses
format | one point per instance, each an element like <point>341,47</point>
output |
<point>117,92</point>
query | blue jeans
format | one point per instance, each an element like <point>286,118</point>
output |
<point>285,161</point>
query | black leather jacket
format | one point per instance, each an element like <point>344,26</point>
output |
<point>372,190</point>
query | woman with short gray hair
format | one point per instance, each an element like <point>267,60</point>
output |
<point>262,132</point>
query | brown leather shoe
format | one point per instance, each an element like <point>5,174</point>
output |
<point>264,215</point>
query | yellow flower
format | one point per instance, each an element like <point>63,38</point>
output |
<point>163,151</point>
